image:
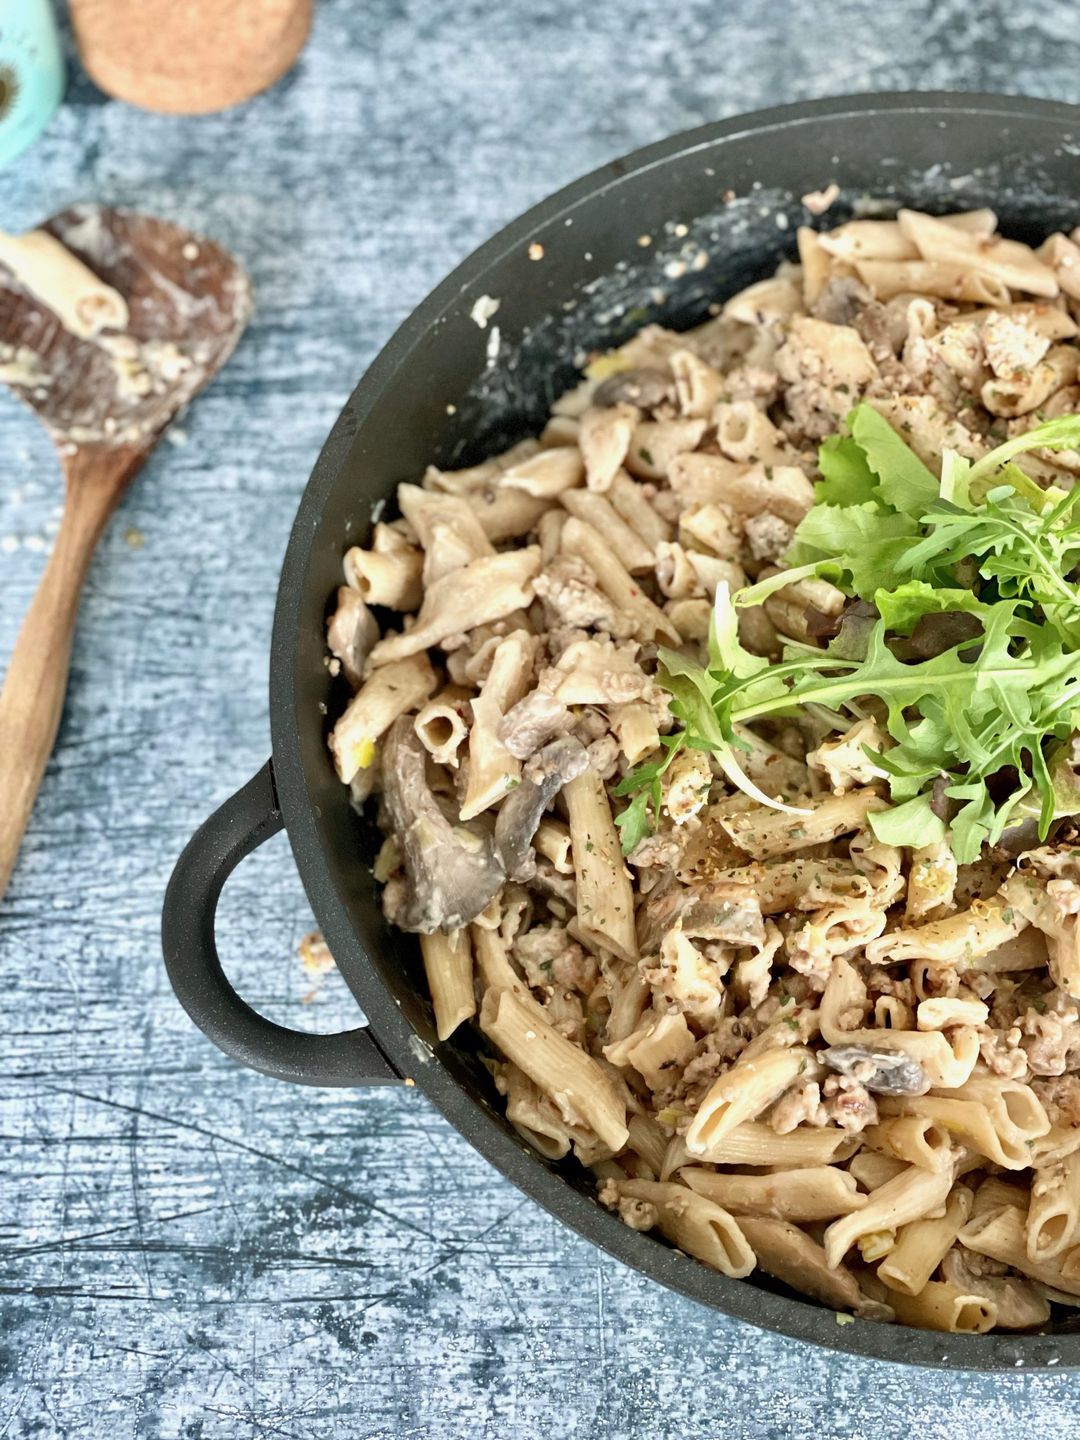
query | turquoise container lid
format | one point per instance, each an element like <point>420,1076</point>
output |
<point>31,73</point>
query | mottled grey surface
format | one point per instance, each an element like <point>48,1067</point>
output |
<point>189,1249</point>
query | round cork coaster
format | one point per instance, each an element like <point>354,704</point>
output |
<point>186,57</point>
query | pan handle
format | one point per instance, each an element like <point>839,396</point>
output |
<point>249,817</point>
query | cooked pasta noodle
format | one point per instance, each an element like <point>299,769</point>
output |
<point>449,971</point>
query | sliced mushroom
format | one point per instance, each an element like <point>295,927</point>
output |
<point>532,722</point>
<point>451,870</point>
<point>791,1256</point>
<point>645,387</point>
<point>543,777</point>
<point>891,1072</point>
<point>1019,1302</point>
<point>723,910</point>
<point>546,880</point>
<point>350,633</point>
<point>841,300</point>
<point>1016,840</point>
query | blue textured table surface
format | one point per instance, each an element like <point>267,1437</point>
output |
<point>187,1249</point>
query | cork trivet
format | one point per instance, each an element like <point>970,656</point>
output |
<point>185,57</point>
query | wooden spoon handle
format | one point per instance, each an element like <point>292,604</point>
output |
<point>33,694</point>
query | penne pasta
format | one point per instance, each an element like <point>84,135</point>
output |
<point>450,535</point>
<point>393,690</point>
<point>449,970</point>
<point>598,511</point>
<point>939,1014</point>
<point>648,1141</point>
<point>695,1225</point>
<point>754,1143</point>
<point>911,1195</point>
<point>914,1139</point>
<point>441,725</point>
<point>859,240</point>
<point>765,835</point>
<point>477,478</point>
<point>635,728</point>
<point>984,1128</point>
<point>494,970</point>
<point>628,499</point>
<point>386,577</point>
<point>819,1193</point>
<point>921,1246</point>
<point>604,438</point>
<point>941,1306</point>
<point>533,1116</point>
<point>552,840</point>
<point>1053,1218</point>
<point>478,593</point>
<point>614,580</point>
<point>791,1256</point>
<point>995,1192</point>
<point>493,770</point>
<point>547,474</point>
<point>816,262</point>
<point>872,1168</point>
<point>507,514</point>
<point>1006,261</point>
<point>660,1042</point>
<point>1020,1305</point>
<point>1000,1235</point>
<point>604,896</point>
<point>965,936</point>
<point>579,1088</point>
<point>748,1088</point>
<point>945,279</point>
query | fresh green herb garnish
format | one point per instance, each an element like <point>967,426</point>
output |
<point>641,816</point>
<point>983,725</point>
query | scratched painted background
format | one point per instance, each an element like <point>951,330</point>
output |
<point>187,1249</point>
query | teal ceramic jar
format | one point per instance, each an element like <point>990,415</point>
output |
<point>31,73</point>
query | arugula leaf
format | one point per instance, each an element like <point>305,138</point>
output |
<point>955,484</point>
<point>755,594</point>
<point>903,607</point>
<point>905,483</point>
<point>1025,551</point>
<point>847,478</point>
<point>1061,433</point>
<point>651,770</point>
<point>1015,479</point>
<point>838,530</point>
<point>726,651</point>
<point>912,823</point>
<point>867,543</point>
<point>635,823</point>
<point>642,815</point>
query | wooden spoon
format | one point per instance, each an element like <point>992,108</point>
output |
<point>105,396</point>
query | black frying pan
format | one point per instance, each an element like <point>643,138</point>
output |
<point>432,395</point>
